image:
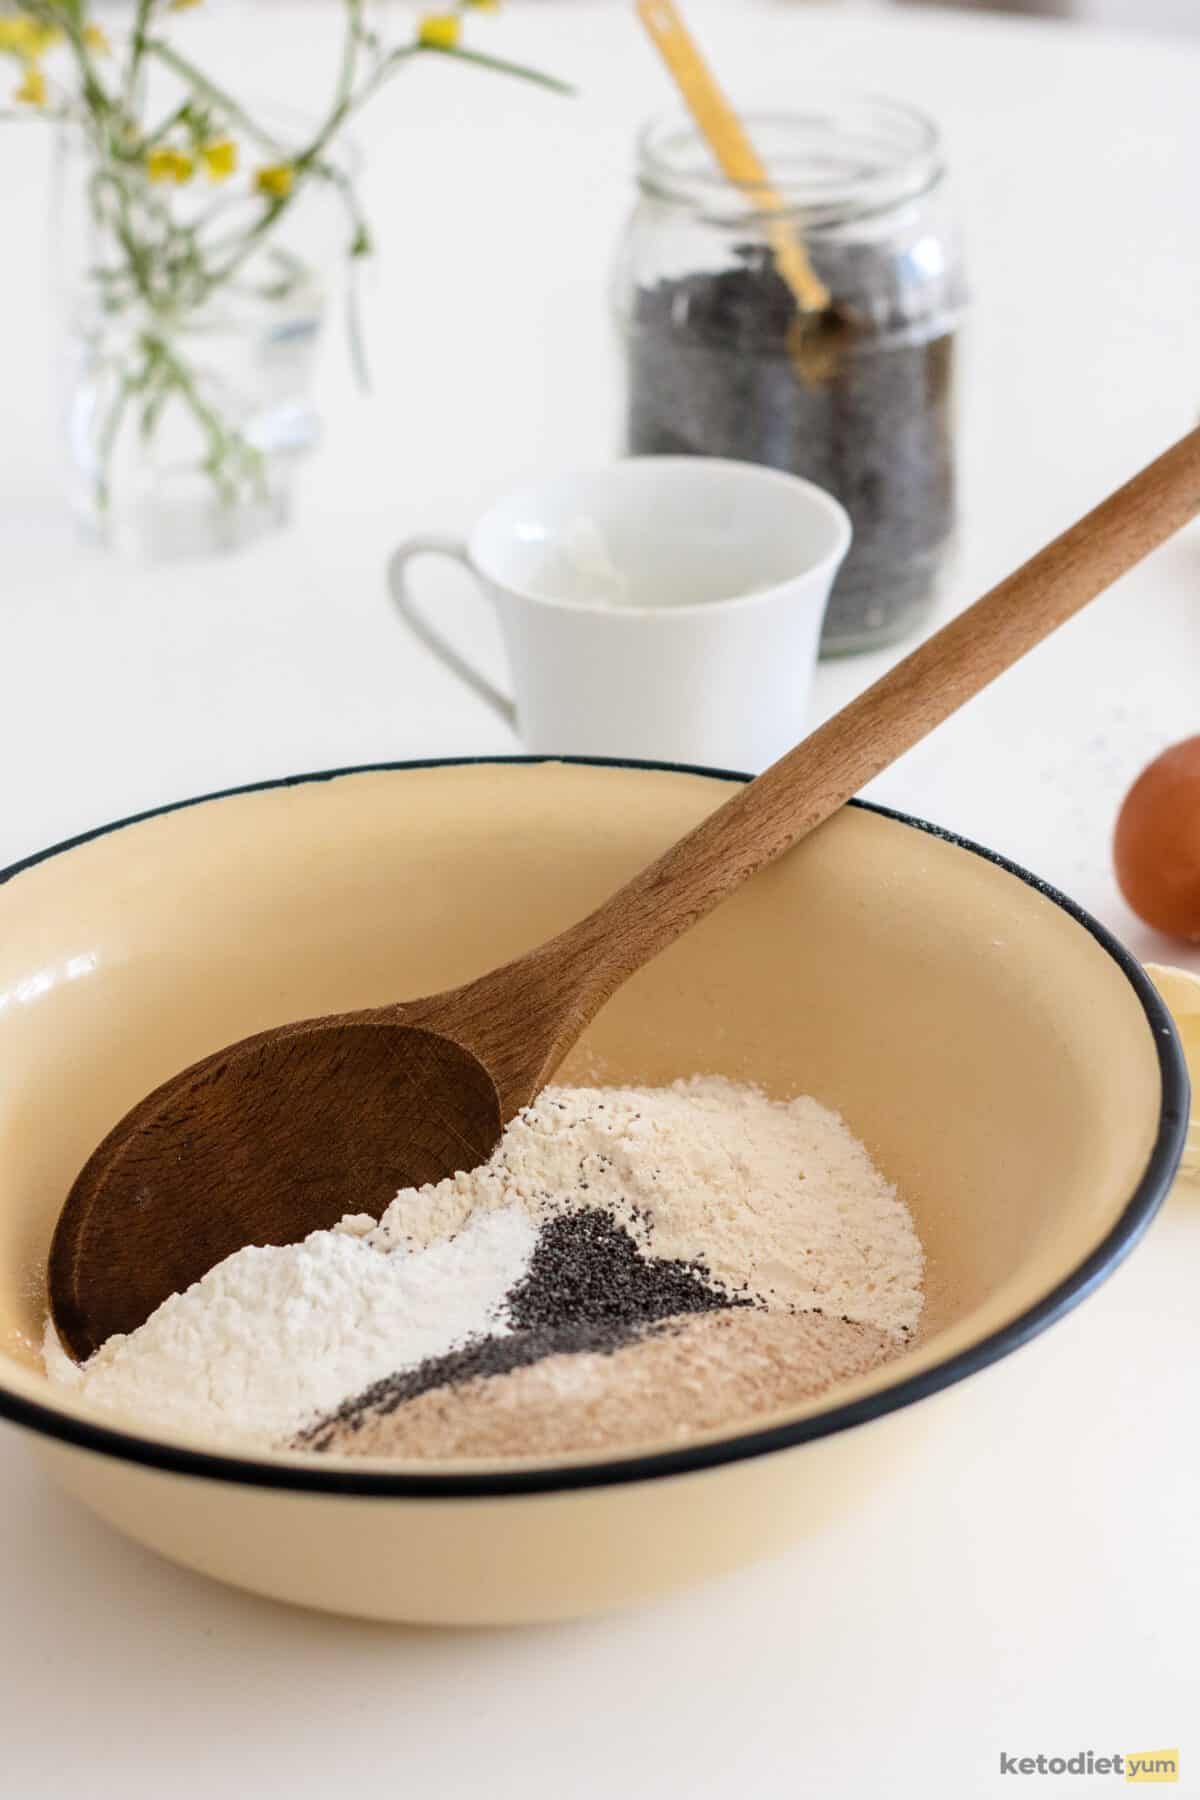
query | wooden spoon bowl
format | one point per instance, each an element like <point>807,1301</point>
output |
<point>263,1142</point>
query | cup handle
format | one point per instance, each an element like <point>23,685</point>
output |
<point>421,628</point>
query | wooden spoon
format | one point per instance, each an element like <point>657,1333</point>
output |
<point>730,144</point>
<point>286,1131</point>
<point>815,339</point>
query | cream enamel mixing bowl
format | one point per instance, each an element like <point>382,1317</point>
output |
<point>1003,1060</point>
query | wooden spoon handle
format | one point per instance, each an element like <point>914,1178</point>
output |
<point>732,148</point>
<point>812,781</point>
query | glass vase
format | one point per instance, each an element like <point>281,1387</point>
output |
<point>188,392</point>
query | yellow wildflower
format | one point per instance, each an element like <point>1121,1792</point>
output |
<point>219,158</point>
<point>32,91</point>
<point>167,163</point>
<point>275,180</point>
<point>14,36</point>
<point>95,39</point>
<point>26,38</point>
<point>439,31</point>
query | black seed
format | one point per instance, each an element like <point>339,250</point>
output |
<point>587,1267</point>
<point>711,373</point>
<point>588,1288</point>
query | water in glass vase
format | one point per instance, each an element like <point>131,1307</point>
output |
<point>184,437</point>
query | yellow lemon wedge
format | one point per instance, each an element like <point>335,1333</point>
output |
<point>1180,988</point>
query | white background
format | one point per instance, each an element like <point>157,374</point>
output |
<point>1030,1585</point>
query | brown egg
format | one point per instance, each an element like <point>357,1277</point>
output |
<point>1156,848</point>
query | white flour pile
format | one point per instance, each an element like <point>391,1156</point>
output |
<point>605,1221</point>
<point>273,1337</point>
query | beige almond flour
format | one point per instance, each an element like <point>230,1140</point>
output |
<point>775,1197</point>
<point>709,1372</point>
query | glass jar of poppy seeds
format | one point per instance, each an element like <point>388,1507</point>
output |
<point>860,400</point>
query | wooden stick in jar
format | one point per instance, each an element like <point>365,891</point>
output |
<point>726,136</point>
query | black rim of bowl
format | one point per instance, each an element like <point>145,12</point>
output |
<point>1142,1205</point>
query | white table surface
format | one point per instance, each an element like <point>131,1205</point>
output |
<point>1033,1585</point>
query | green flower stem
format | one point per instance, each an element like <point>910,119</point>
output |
<point>498,65</point>
<point>201,84</point>
<point>350,42</point>
<point>230,459</point>
<point>137,50</point>
<point>67,17</point>
<point>168,125</point>
<point>225,446</point>
<point>250,240</point>
<point>344,100</point>
<point>105,185</point>
<point>108,443</point>
<point>379,77</point>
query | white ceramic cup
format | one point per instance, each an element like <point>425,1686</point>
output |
<point>666,607</point>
